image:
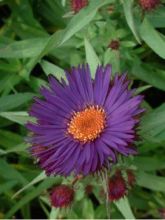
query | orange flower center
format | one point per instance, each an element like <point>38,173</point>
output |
<point>87,124</point>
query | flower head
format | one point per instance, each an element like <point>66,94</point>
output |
<point>162,213</point>
<point>82,124</point>
<point>62,196</point>
<point>117,187</point>
<point>77,5</point>
<point>114,45</point>
<point>88,189</point>
<point>148,5</point>
<point>131,178</point>
<point>110,9</point>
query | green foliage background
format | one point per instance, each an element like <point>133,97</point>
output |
<point>42,37</point>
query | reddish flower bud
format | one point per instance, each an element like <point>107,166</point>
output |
<point>162,213</point>
<point>62,196</point>
<point>77,5</point>
<point>131,178</point>
<point>88,189</point>
<point>117,187</point>
<point>148,5</point>
<point>114,45</point>
<point>111,9</point>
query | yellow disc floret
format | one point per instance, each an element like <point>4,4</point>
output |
<point>87,125</point>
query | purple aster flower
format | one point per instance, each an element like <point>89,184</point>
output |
<point>83,124</point>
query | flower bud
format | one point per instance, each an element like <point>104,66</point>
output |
<point>77,5</point>
<point>114,45</point>
<point>117,187</point>
<point>131,178</point>
<point>162,213</point>
<point>148,5</point>
<point>62,196</point>
<point>88,189</point>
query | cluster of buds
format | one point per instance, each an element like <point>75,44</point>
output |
<point>118,186</point>
<point>148,5</point>
<point>62,196</point>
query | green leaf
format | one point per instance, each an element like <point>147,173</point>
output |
<point>124,208</point>
<point>153,38</point>
<point>142,89</point>
<point>150,181</point>
<point>101,212</point>
<point>54,213</point>
<point>2,152</point>
<point>8,81</point>
<point>91,57</point>
<point>72,214</point>
<point>37,179</point>
<point>10,173</point>
<point>12,101</point>
<point>83,18</point>
<point>50,68</point>
<point>157,17</point>
<point>44,207</point>
<point>5,187</point>
<point>87,209</point>
<point>23,21</point>
<point>24,48</point>
<point>153,125</point>
<point>18,117</point>
<point>47,183</point>
<point>128,11</point>
<point>38,47</point>
<point>10,65</point>
<point>36,83</point>
<point>149,163</point>
<point>149,74</point>
<point>52,12</point>
<point>138,202</point>
<point>149,146</point>
<point>9,139</point>
<point>18,149</point>
<point>112,57</point>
